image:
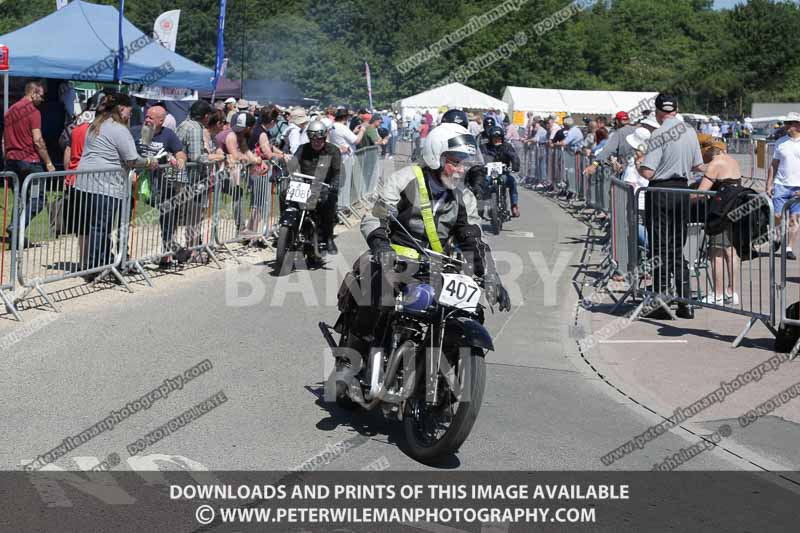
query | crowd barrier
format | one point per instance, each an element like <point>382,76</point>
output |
<point>82,230</point>
<point>110,222</point>
<point>732,271</point>
<point>785,277</point>
<point>656,240</point>
<point>8,267</point>
<point>176,214</point>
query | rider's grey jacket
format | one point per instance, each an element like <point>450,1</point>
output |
<point>454,213</point>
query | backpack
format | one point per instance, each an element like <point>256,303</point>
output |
<point>728,198</point>
<point>277,132</point>
<point>788,335</point>
<point>752,222</point>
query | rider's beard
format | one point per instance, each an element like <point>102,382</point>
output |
<point>451,181</point>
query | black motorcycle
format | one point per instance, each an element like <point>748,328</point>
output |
<point>298,231</point>
<point>494,202</point>
<point>420,357</point>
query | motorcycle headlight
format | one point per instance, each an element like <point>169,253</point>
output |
<point>418,298</point>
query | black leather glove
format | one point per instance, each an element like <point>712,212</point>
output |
<point>496,293</point>
<point>323,194</point>
<point>383,252</point>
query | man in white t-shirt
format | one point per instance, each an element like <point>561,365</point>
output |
<point>341,136</point>
<point>783,177</point>
<point>346,140</point>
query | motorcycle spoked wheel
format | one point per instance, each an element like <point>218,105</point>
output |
<point>311,247</point>
<point>434,432</point>
<point>505,213</point>
<point>284,256</point>
<point>497,220</point>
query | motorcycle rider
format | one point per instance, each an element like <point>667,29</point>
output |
<point>499,150</point>
<point>489,122</point>
<point>431,207</point>
<point>322,160</point>
<point>455,116</point>
<point>456,120</point>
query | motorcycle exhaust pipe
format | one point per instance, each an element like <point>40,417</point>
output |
<point>394,364</point>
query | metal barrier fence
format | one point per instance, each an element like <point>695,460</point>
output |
<point>786,232</point>
<point>8,266</point>
<point>721,271</point>
<point>243,196</point>
<point>366,173</point>
<point>96,224</point>
<point>171,215</point>
<point>624,228</point>
<point>84,232</point>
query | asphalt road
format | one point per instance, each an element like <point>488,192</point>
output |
<point>543,409</point>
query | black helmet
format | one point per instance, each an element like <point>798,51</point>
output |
<point>496,131</point>
<point>489,123</point>
<point>455,116</point>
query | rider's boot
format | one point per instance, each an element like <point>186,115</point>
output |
<point>515,211</point>
<point>332,248</point>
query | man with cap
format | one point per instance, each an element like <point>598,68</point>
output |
<point>783,177</point>
<point>230,105</point>
<point>673,154</point>
<point>372,137</point>
<point>616,146</point>
<point>344,138</point>
<point>295,133</point>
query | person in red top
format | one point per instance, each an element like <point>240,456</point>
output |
<point>77,140</point>
<point>24,147</point>
<point>424,129</point>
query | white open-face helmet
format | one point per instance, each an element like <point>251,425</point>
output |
<point>450,140</point>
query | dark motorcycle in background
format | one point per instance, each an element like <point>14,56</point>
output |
<point>420,360</point>
<point>493,201</point>
<point>298,227</point>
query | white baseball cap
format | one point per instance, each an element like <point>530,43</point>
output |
<point>230,100</point>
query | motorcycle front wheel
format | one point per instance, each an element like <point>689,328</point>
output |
<point>284,261</point>
<point>497,220</point>
<point>434,432</point>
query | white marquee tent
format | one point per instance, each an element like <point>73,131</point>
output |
<point>546,101</point>
<point>451,95</point>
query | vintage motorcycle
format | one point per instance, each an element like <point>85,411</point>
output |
<point>494,202</point>
<point>297,233</point>
<point>420,357</point>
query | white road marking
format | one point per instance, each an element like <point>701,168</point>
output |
<point>650,341</point>
<point>523,234</point>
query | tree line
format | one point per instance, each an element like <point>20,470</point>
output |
<point>715,61</point>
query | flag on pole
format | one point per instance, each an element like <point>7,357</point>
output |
<point>369,85</point>
<point>121,44</point>
<point>61,3</point>
<point>220,43</point>
<point>165,28</point>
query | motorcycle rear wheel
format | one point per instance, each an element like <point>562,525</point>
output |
<point>421,421</point>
